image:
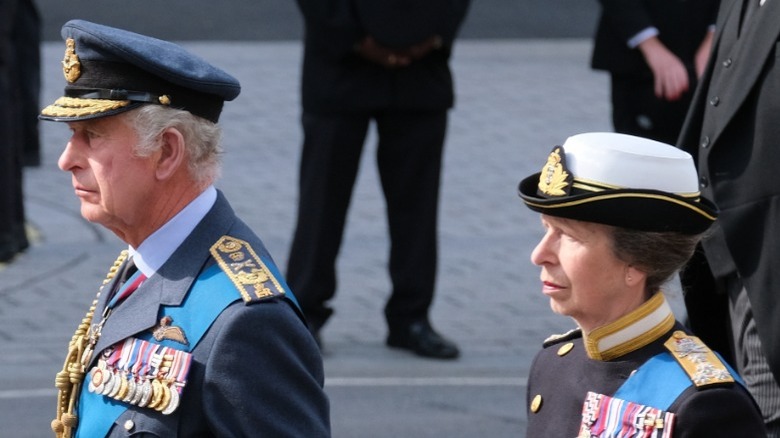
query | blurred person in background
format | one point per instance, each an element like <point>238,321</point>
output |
<point>19,88</point>
<point>654,51</point>
<point>386,63</point>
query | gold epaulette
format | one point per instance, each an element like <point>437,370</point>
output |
<point>246,270</point>
<point>701,364</point>
<point>554,339</point>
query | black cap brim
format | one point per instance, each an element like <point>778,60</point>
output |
<point>639,209</point>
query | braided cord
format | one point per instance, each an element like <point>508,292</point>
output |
<point>69,380</point>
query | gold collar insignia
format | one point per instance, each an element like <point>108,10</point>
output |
<point>71,65</point>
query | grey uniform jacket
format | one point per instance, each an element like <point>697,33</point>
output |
<point>255,372</point>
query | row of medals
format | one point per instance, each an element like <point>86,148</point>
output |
<point>145,392</point>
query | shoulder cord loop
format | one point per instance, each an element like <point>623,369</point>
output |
<point>69,380</point>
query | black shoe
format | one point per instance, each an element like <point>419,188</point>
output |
<point>7,253</point>
<point>11,245</point>
<point>422,340</point>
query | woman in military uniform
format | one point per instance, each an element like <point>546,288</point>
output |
<point>621,215</point>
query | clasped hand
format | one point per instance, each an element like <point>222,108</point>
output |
<point>369,49</point>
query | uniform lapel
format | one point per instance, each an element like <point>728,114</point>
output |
<point>137,313</point>
<point>169,287</point>
<point>186,263</point>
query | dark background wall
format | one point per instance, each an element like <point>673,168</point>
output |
<point>279,19</point>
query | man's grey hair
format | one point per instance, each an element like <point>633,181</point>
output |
<point>202,138</point>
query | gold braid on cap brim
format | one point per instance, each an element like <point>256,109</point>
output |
<point>607,196</point>
<point>69,380</point>
<point>76,107</point>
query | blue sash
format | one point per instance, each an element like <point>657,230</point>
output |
<point>646,388</point>
<point>212,292</point>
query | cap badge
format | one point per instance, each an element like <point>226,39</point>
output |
<point>554,179</point>
<point>71,66</point>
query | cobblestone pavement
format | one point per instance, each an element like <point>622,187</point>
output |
<point>515,100</point>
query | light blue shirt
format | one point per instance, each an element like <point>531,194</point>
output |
<point>639,38</point>
<point>160,245</point>
<point>650,32</point>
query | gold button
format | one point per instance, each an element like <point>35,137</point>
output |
<point>129,425</point>
<point>565,349</point>
<point>536,403</point>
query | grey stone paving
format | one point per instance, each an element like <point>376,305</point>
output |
<point>516,99</point>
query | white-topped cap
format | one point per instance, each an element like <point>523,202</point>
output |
<point>626,161</point>
<point>620,180</point>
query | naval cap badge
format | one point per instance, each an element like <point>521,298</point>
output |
<point>554,179</point>
<point>71,65</point>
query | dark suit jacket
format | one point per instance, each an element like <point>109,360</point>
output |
<point>681,24</point>
<point>256,372</point>
<point>737,152</point>
<point>336,78</point>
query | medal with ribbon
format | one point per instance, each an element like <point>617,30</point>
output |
<point>142,373</point>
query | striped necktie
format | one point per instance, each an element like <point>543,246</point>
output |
<point>130,281</point>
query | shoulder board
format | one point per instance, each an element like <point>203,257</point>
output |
<point>554,339</point>
<point>246,270</point>
<point>701,364</point>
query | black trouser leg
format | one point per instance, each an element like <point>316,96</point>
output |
<point>409,160</point>
<point>329,162</point>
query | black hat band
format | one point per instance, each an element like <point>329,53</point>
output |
<point>101,82</point>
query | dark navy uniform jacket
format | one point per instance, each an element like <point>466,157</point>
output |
<point>563,373</point>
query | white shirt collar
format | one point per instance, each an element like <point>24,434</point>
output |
<point>160,245</point>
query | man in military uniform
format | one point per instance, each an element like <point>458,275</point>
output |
<point>194,332</point>
<point>621,215</point>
